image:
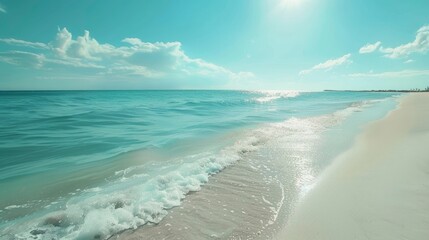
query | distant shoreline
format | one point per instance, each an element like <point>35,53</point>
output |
<point>400,91</point>
<point>119,90</point>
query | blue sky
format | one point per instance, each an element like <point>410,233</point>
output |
<point>222,44</point>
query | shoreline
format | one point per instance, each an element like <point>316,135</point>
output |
<point>254,198</point>
<point>234,201</point>
<point>278,151</point>
<point>380,91</point>
<point>378,189</point>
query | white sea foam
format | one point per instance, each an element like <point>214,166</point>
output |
<point>276,209</point>
<point>98,212</point>
<point>15,206</point>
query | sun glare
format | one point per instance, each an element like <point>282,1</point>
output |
<point>290,3</point>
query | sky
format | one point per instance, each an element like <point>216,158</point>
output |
<point>204,44</point>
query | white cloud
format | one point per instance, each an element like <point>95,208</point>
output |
<point>24,59</point>
<point>22,43</point>
<point>393,74</point>
<point>409,61</point>
<point>329,64</point>
<point>369,48</point>
<point>2,9</point>
<point>62,41</point>
<point>419,45</point>
<point>135,58</point>
<point>82,48</point>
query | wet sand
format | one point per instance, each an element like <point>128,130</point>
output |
<point>241,202</point>
<point>379,188</point>
<point>248,200</point>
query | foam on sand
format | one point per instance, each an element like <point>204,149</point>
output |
<point>378,189</point>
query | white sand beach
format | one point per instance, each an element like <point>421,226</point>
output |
<point>379,188</point>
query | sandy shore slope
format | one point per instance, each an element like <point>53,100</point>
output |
<point>378,189</point>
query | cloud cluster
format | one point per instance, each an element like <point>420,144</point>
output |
<point>133,58</point>
<point>419,45</point>
<point>329,64</point>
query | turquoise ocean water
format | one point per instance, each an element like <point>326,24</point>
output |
<point>88,164</point>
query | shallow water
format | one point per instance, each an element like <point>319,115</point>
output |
<point>378,188</point>
<point>91,164</point>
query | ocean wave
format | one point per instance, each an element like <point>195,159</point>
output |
<point>101,212</point>
<point>133,200</point>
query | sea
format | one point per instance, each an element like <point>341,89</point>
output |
<point>180,164</point>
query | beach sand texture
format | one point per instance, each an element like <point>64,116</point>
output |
<point>379,188</point>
